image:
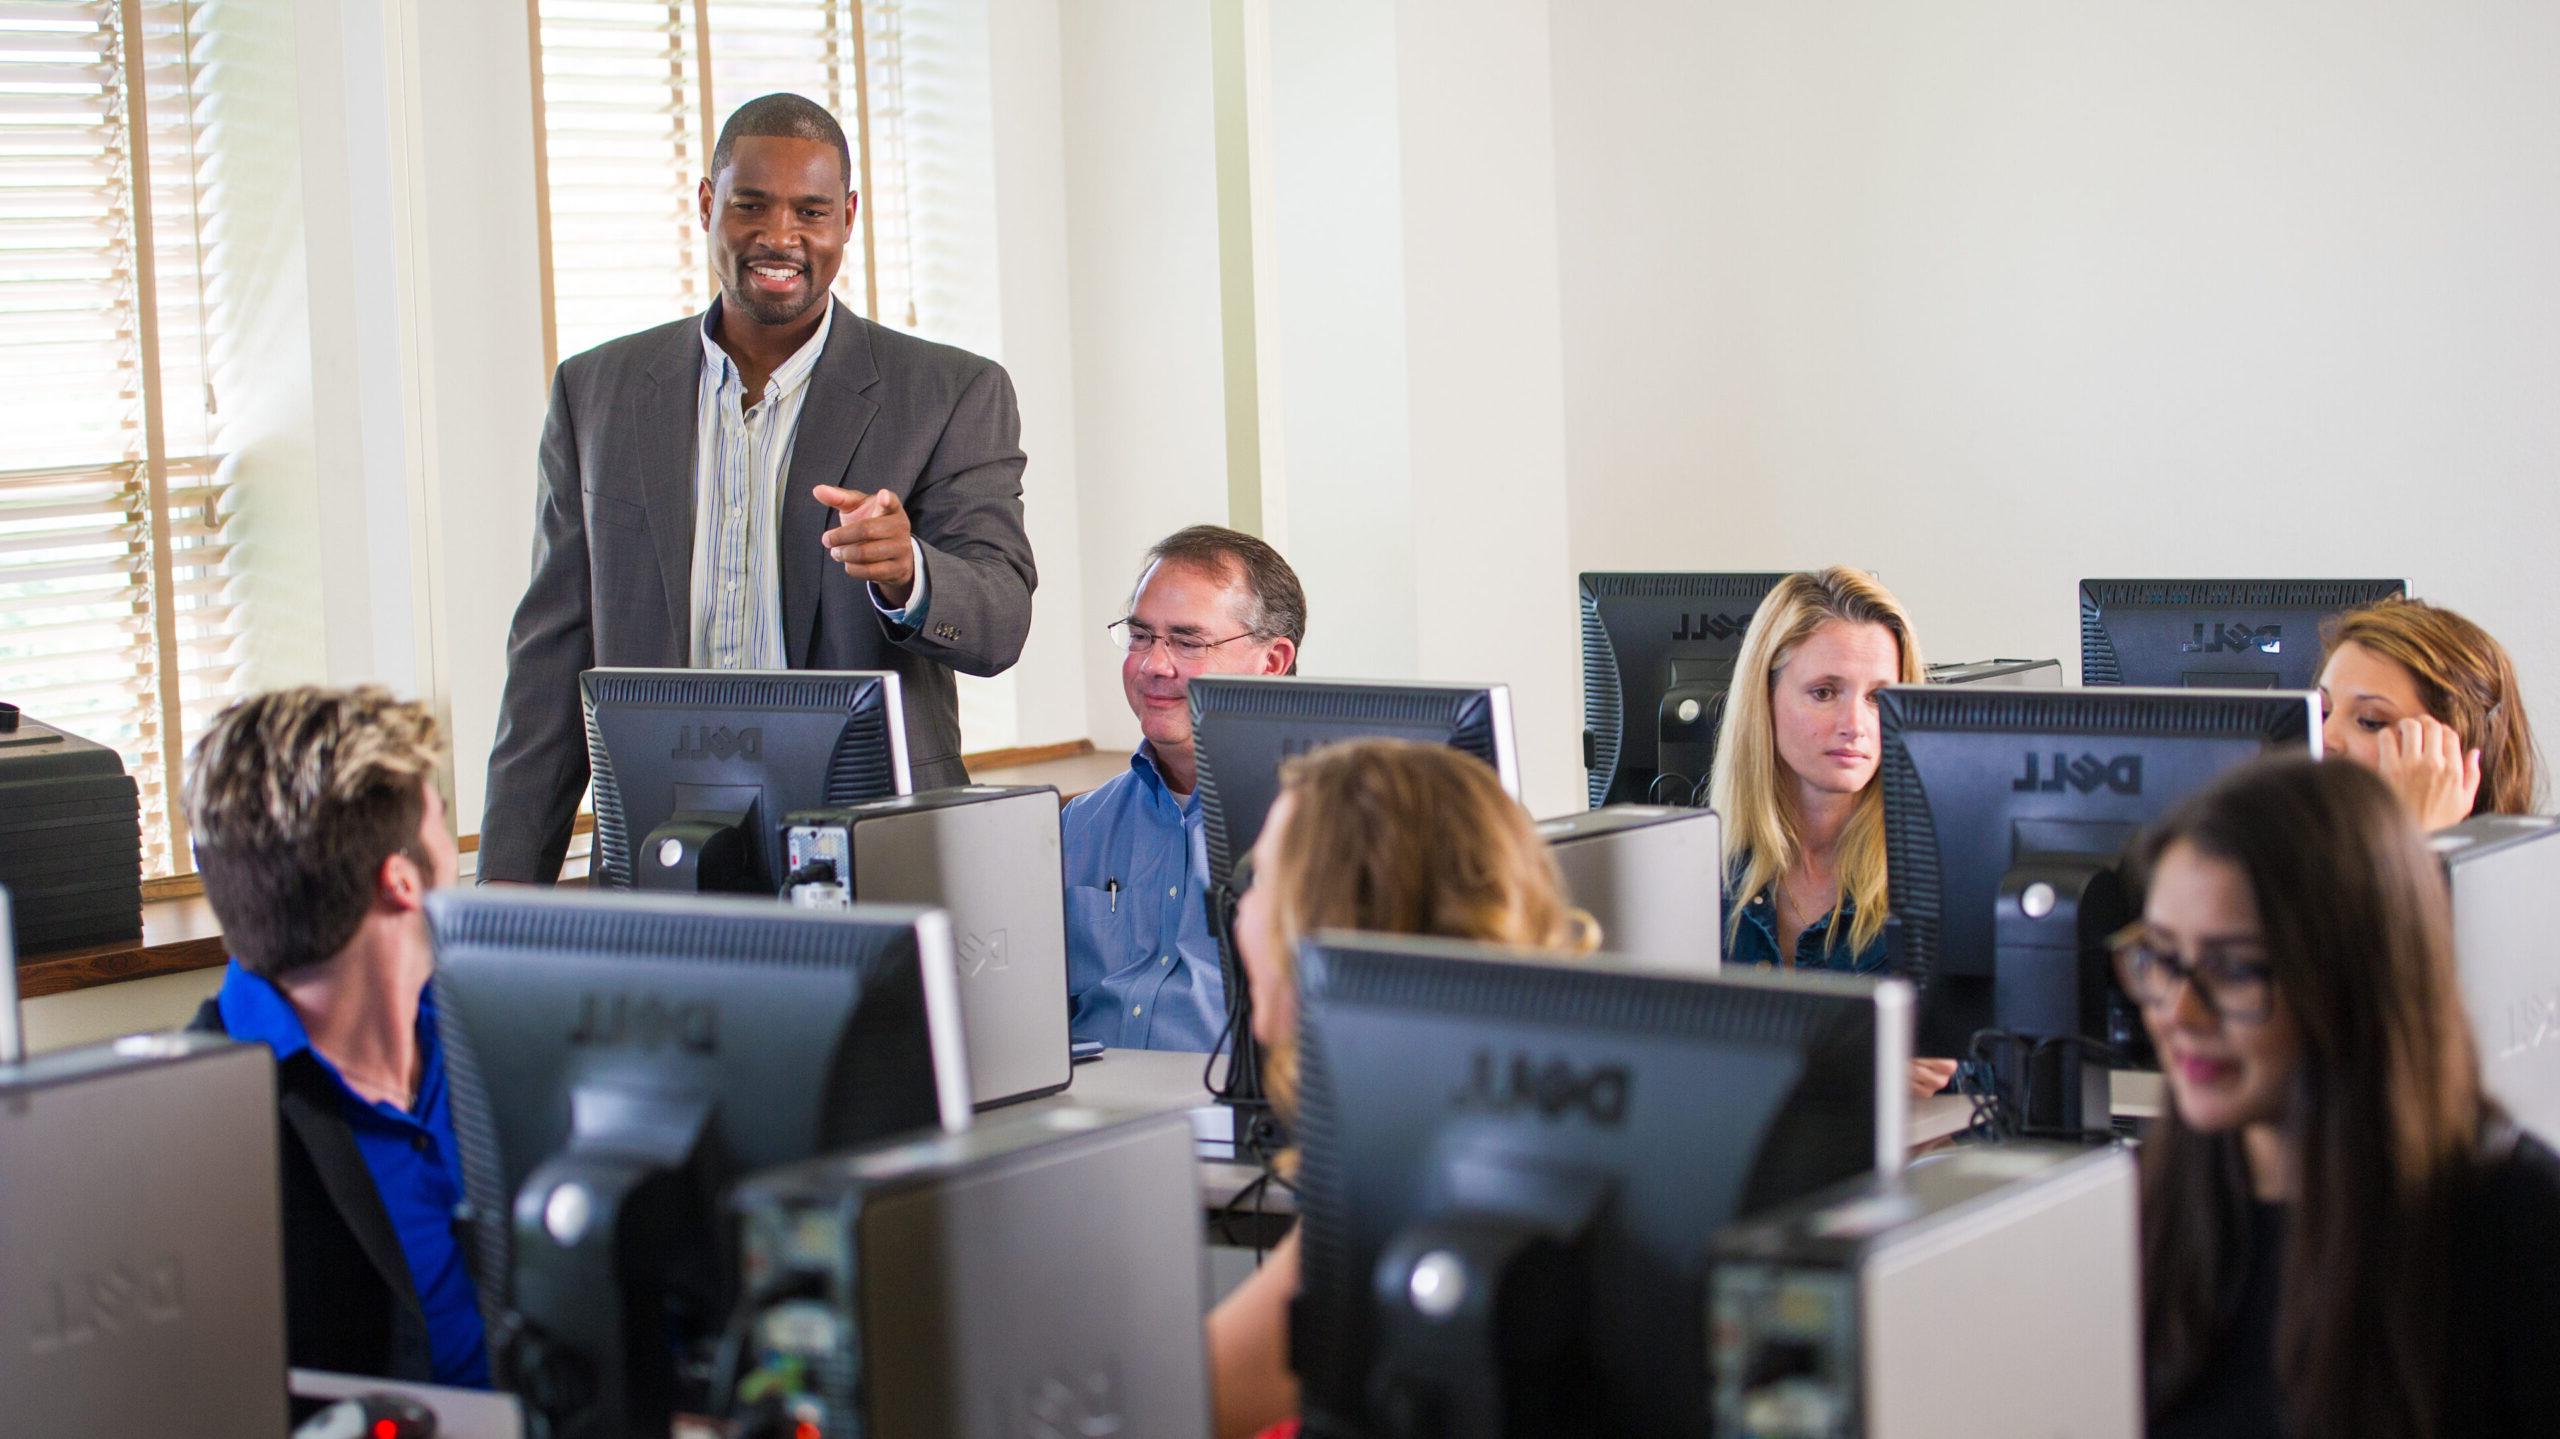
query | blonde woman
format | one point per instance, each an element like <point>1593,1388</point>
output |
<point>1795,779</point>
<point>1382,835</point>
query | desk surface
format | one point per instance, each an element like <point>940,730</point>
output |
<point>1150,1080</point>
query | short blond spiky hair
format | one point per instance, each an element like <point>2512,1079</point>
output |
<point>296,797</point>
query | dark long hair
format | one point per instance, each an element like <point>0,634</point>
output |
<point>2385,1111</point>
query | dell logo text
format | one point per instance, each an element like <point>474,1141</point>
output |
<point>1710,626</point>
<point>1071,1406</point>
<point>2533,1020</point>
<point>2086,774</point>
<point>608,1020</point>
<point>982,952</point>
<point>77,1309</point>
<point>718,742</point>
<point>1554,1088</point>
<point>2213,639</point>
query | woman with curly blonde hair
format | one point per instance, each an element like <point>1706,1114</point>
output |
<point>1388,836</point>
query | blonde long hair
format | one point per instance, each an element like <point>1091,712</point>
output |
<point>1397,837</point>
<point>1751,794</point>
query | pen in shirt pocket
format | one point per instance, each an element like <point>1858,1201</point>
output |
<point>1111,887</point>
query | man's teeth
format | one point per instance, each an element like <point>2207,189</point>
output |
<point>779,272</point>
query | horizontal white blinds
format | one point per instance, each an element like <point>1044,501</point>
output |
<point>116,615</point>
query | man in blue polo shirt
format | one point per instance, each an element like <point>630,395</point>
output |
<point>318,829</point>
<point>1142,967</point>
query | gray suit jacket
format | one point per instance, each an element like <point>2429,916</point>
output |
<point>613,550</point>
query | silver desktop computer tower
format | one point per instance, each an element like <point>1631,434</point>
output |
<point>2504,871</point>
<point>1040,1274</point>
<point>142,1273</point>
<point>1652,875</point>
<point>990,856</point>
<point>1992,1290</point>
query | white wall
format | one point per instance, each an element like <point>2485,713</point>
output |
<point>1137,135</point>
<point>1989,296</point>
<point>1414,356</point>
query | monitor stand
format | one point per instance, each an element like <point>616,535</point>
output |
<point>2052,980</point>
<point>710,845</point>
<point>1480,1318</point>
<point>585,1336</point>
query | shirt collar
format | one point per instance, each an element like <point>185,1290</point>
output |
<point>255,1010</point>
<point>1143,764</point>
<point>789,375</point>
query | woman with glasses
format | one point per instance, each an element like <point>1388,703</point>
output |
<point>1795,779</point>
<point>2428,700</point>
<point>2341,1235</point>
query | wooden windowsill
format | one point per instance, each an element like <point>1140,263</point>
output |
<point>180,933</point>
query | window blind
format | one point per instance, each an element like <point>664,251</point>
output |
<point>117,619</point>
<point>632,93</point>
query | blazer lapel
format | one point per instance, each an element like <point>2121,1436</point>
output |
<point>663,433</point>
<point>832,421</point>
<point>315,1121</point>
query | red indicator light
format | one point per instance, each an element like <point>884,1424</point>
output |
<point>386,1429</point>
<point>805,1430</point>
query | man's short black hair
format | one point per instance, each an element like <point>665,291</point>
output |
<point>781,116</point>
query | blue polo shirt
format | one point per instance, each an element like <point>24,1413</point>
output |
<point>416,1166</point>
<point>1142,967</point>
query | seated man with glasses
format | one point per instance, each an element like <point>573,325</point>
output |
<point>1142,966</point>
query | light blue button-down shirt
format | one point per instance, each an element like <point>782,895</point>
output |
<point>1142,967</point>
<point>742,455</point>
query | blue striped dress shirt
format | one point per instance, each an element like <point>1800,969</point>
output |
<point>742,455</point>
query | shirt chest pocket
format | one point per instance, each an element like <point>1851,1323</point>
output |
<point>1108,934</point>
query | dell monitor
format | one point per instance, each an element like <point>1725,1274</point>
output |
<point>618,1063</point>
<point>1243,728</point>
<point>1658,652</point>
<point>695,769</point>
<point>1040,1275</point>
<point>2213,634</point>
<point>1512,1166</point>
<point>2007,813</point>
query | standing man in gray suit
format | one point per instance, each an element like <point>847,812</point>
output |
<point>775,484</point>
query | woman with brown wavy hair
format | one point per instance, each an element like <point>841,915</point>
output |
<point>2341,1235</point>
<point>1388,836</point>
<point>2429,700</point>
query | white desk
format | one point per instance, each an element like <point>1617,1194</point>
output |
<point>460,1413</point>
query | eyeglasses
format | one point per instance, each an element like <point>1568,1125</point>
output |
<point>2240,990</point>
<point>1137,639</point>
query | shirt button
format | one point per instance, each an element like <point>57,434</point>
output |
<point>1164,959</point>
<point>420,1142</point>
<point>1171,893</point>
<point>1136,1009</point>
<point>733,587</point>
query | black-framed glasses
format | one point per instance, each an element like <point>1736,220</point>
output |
<point>2234,984</point>
<point>1137,639</point>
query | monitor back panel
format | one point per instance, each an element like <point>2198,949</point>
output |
<point>1056,1292</point>
<point>142,1279</point>
<point>2505,875</point>
<point>993,862</point>
<point>1653,876</point>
